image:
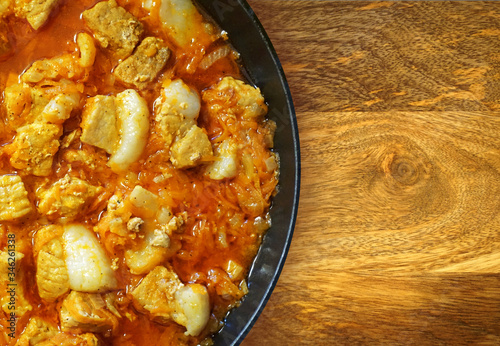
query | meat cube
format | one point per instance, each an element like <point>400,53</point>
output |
<point>114,27</point>
<point>99,123</point>
<point>166,298</point>
<point>45,235</point>
<point>35,11</point>
<point>51,272</point>
<point>36,332</point>
<point>4,264</point>
<point>156,293</point>
<point>191,149</point>
<point>17,100</point>
<point>14,202</point>
<point>62,67</point>
<point>66,198</point>
<point>176,110</point>
<point>20,305</point>
<point>173,125</point>
<point>119,125</point>
<point>145,64</point>
<point>34,147</point>
<point>23,104</point>
<point>87,312</point>
<point>93,161</point>
<point>236,98</point>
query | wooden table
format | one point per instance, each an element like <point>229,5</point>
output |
<point>397,238</point>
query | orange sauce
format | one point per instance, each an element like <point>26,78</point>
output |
<point>218,228</point>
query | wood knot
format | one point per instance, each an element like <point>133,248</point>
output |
<point>404,172</point>
<point>403,169</point>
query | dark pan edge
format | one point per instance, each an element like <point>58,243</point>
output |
<point>226,337</point>
<point>295,133</point>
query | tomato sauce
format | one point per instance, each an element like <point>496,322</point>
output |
<point>226,219</point>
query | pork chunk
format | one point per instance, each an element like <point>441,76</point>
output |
<point>20,305</point>
<point>114,27</point>
<point>65,66</point>
<point>145,64</point>
<point>36,332</point>
<point>87,312</point>
<point>66,198</point>
<point>35,11</point>
<point>119,125</point>
<point>5,267</point>
<point>156,293</point>
<point>99,123</point>
<point>191,149</point>
<point>236,98</point>
<point>23,104</point>
<point>14,202</point>
<point>51,272</point>
<point>166,298</point>
<point>34,147</point>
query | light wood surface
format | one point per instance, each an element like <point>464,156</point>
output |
<point>397,239</point>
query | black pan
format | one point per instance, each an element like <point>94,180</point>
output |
<point>263,68</point>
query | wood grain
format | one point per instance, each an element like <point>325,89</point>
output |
<point>397,239</point>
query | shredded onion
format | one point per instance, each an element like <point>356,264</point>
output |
<point>212,57</point>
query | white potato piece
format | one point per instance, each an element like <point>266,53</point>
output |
<point>133,115</point>
<point>192,308</point>
<point>89,268</point>
<point>227,163</point>
<point>181,19</point>
<point>181,99</point>
<point>144,199</point>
